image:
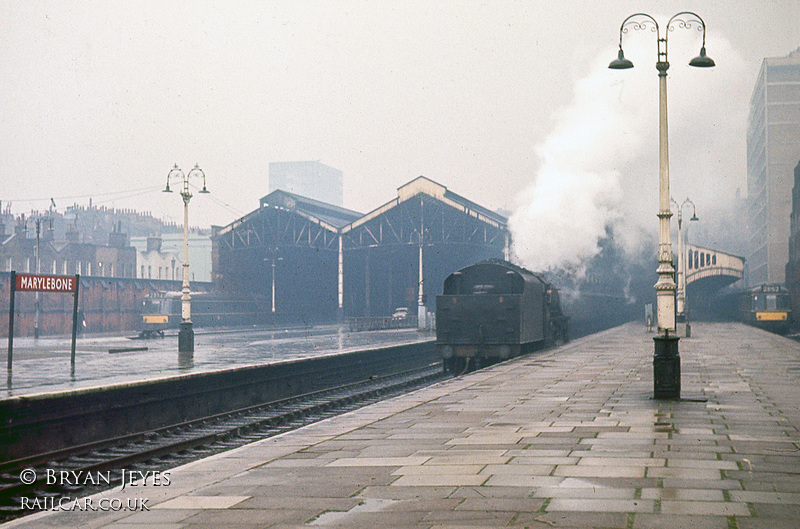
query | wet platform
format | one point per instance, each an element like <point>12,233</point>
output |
<point>43,365</point>
<point>567,438</point>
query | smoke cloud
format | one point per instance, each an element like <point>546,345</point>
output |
<point>598,168</point>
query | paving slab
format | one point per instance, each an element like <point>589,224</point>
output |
<point>569,438</point>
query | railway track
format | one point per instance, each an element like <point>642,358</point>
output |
<point>97,466</point>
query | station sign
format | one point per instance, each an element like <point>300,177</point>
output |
<point>42,283</point>
<point>46,283</point>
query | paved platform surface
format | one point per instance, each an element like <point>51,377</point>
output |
<point>43,365</point>
<point>568,438</point>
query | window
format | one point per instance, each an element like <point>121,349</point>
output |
<point>772,301</point>
<point>758,302</point>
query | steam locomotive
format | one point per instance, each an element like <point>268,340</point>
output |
<point>494,310</point>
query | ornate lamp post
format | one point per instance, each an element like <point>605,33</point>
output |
<point>186,334</point>
<point>680,302</point>
<point>666,361</point>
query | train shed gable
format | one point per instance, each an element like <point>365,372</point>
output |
<point>426,189</point>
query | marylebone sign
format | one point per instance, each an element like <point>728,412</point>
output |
<point>43,283</point>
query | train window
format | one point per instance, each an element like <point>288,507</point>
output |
<point>696,254</point>
<point>783,302</point>
<point>152,306</point>
<point>702,260</point>
<point>714,259</point>
<point>772,301</point>
<point>690,261</point>
<point>758,302</point>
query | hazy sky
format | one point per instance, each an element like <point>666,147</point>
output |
<point>502,102</point>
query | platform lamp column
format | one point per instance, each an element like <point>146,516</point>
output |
<point>38,271</point>
<point>38,258</point>
<point>421,311</point>
<point>682,317</point>
<point>421,293</point>
<point>273,262</point>
<point>666,360</point>
<point>340,283</point>
<point>186,333</point>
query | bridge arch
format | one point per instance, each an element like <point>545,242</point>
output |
<point>712,266</point>
<point>707,272</point>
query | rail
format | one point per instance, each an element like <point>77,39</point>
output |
<point>167,447</point>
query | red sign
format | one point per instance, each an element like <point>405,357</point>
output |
<point>40,283</point>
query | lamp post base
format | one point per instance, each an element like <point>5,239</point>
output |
<point>666,368</point>
<point>186,338</point>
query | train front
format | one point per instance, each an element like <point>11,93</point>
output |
<point>768,307</point>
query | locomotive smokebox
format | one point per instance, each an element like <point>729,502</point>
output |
<point>666,368</point>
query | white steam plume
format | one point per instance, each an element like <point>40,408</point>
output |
<point>599,167</point>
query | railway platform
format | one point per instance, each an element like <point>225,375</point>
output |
<point>566,438</point>
<point>43,365</point>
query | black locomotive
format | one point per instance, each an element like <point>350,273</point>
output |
<point>494,310</point>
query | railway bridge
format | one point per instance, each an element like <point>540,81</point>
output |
<point>707,272</point>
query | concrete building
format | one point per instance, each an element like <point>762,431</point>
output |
<point>793,266</point>
<point>773,148</point>
<point>313,180</point>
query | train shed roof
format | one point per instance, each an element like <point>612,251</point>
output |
<point>425,186</point>
<point>334,216</point>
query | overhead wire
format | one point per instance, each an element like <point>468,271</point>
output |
<point>91,195</point>
<point>112,196</point>
<point>220,203</point>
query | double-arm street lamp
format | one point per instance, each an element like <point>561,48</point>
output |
<point>682,316</point>
<point>666,362</point>
<point>186,334</point>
